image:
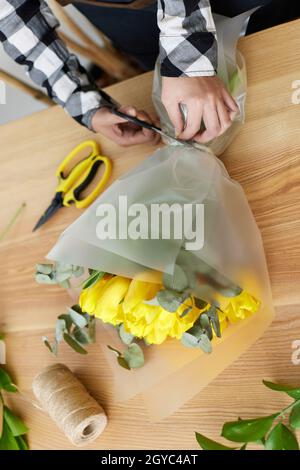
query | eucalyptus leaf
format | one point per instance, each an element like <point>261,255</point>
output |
<point>60,329</point>
<point>212,314</point>
<point>16,425</point>
<point>249,430</point>
<point>177,281</point>
<point>82,336</point>
<point>208,444</point>
<point>295,416</point>
<point>65,284</point>
<point>61,277</point>
<point>281,438</point>
<point>169,300</point>
<point>230,291</point>
<point>78,271</point>
<point>68,321</point>
<point>6,381</point>
<point>74,344</point>
<point>205,344</point>
<point>44,268</point>
<point>52,347</point>
<point>200,303</point>
<point>44,279</point>
<point>126,337</point>
<point>122,362</point>
<point>134,356</point>
<point>189,341</point>
<point>77,318</point>
<point>291,391</point>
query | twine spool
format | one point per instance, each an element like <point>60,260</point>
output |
<point>69,404</point>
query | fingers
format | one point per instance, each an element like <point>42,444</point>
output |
<point>193,122</point>
<point>229,101</point>
<point>175,116</point>
<point>131,134</point>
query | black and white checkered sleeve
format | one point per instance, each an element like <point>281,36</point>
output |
<point>188,43</point>
<point>28,34</point>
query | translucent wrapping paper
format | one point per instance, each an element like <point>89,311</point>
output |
<point>232,250</point>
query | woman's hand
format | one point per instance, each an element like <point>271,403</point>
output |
<point>206,98</point>
<point>121,131</point>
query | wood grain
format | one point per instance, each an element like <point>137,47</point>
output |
<point>264,158</point>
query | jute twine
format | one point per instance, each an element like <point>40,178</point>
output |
<point>69,404</point>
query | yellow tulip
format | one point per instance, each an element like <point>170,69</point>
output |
<point>240,307</point>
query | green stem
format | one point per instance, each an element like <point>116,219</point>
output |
<point>12,221</point>
<point>291,405</point>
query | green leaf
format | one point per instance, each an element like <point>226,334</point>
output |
<point>295,416</point>
<point>186,312</point>
<point>21,443</point>
<point>7,440</point>
<point>205,344</point>
<point>189,341</point>
<point>212,314</point>
<point>208,444</point>
<point>243,447</point>
<point>230,291</point>
<point>169,300</point>
<point>291,391</point>
<point>281,438</point>
<point>68,321</point>
<point>16,425</point>
<point>205,324</point>
<point>134,356</point>
<point>122,362</point>
<point>249,430</point>
<point>77,318</point>
<point>74,344</point>
<point>177,281</point>
<point>44,268</point>
<point>44,279</point>
<point>95,277</point>
<point>65,284</point>
<point>52,347</point>
<point>126,338</point>
<point>200,304</point>
<point>60,329</point>
<point>6,382</point>
<point>82,336</point>
<point>78,271</point>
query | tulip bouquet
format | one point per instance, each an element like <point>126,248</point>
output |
<point>147,311</point>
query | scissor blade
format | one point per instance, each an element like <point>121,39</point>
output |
<point>55,205</point>
<point>151,127</point>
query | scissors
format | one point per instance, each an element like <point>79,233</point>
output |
<point>114,105</point>
<point>71,183</point>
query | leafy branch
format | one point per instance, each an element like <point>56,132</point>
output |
<point>12,428</point>
<point>268,431</point>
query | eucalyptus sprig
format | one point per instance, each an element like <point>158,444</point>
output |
<point>268,431</point>
<point>12,428</point>
<point>76,328</point>
<point>58,273</point>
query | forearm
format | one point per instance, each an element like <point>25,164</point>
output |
<point>28,34</point>
<point>188,44</point>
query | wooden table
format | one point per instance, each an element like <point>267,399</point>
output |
<point>264,158</point>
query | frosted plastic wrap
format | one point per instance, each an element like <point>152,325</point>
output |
<point>232,251</point>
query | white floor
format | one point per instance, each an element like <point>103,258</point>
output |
<point>19,104</point>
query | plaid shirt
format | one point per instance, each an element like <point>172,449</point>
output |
<point>28,32</point>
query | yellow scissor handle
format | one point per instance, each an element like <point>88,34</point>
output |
<point>65,182</point>
<point>81,175</point>
<point>73,194</point>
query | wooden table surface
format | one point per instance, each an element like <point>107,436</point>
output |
<point>264,158</point>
